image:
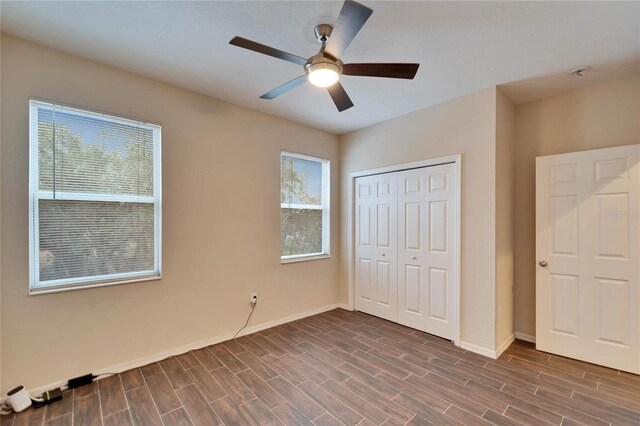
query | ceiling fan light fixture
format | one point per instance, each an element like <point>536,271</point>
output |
<point>323,74</point>
<point>325,67</point>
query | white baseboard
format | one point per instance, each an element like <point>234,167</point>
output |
<point>504,345</point>
<point>344,306</point>
<point>526,337</point>
<point>490,353</point>
<point>478,349</point>
<point>159,356</point>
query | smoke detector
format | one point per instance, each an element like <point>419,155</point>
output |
<point>580,72</point>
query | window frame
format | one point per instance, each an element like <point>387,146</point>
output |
<point>36,286</point>
<point>325,207</point>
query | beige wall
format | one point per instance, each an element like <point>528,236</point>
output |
<point>505,204</point>
<point>1,387</point>
<point>220,230</point>
<point>216,251</point>
<point>599,116</point>
<point>465,125</point>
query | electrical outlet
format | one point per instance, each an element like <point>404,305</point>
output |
<point>253,298</point>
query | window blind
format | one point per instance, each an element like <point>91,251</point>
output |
<point>304,206</point>
<point>95,198</point>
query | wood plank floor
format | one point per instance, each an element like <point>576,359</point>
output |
<point>349,368</point>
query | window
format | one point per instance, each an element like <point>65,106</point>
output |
<point>95,199</point>
<point>304,207</point>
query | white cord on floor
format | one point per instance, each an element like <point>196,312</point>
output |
<point>253,306</point>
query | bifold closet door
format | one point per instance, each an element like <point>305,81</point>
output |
<point>405,268</point>
<point>427,211</point>
<point>376,241</point>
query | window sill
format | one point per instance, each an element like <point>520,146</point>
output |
<point>304,258</point>
<point>36,291</point>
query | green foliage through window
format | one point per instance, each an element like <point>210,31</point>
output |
<point>303,213</point>
<point>94,197</point>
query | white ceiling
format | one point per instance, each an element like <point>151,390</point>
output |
<point>462,47</point>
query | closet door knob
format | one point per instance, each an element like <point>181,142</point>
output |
<point>543,263</point>
<point>413,258</point>
<point>384,254</point>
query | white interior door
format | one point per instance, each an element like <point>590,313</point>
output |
<point>426,249</point>
<point>587,248</point>
<point>376,246</point>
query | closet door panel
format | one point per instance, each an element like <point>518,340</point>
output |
<point>386,252</point>
<point>365,274</point>
<point>412,238</point>
<point>376,246</point>
<point>440,199</point>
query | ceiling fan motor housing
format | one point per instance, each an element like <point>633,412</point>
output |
<point>324,68</point>
<point>323,32</point>
<point>320,62</point>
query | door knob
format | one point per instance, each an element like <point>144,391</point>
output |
<point>543,263</point>
<point>384,254</point>
<point>413,258</point>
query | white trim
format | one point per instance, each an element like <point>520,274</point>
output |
<point>303,156</point>
<point>480,350</point>
<point>405,166</point>
<point>73,284</point>
<point>88,196</point>
<point>458,290</point>
<point>303,258</point>
<point>325,207</point>
<point>34,234</point>
<point>91,113</point>
<point>351,185</point>
<point>159,356</point>
<point>525,337</point>
<point>344,306</point>
<point>489,353</point>
<point>503,347</point>
<point>35,195</point>
<point>300,206</point>
<point>157,194</point>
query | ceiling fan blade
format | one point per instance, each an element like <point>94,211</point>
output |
<point>407,71</point>
<point>340,97</point>
<point>351,19</point>
<point>267,50</point>
<point>285,87</point>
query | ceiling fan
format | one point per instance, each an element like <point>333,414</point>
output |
<point>324,68</point>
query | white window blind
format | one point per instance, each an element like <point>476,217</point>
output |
<point>304,207</point>
<point>95,193</point>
